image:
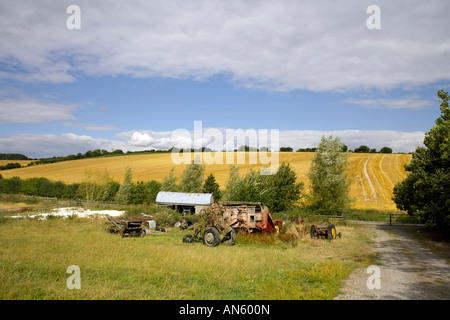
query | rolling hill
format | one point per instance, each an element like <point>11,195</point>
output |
<point>374,175</point>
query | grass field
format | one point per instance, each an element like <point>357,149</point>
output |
<point>35,255</point>
<point>374,175</point>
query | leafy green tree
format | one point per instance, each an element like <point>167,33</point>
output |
<point>192,178</point>
<point>234,185</point>
<point>138,193</point>
<point>153,187</point>
<point>98,185</point>
<point>330,185</point>
<point>283,189</point>
<point>169,182</point>
<point>211,186</point>
<point>385,150</point>
<point>362,149</point>
<point>123,195</point>
<point>279,191</point>
<point>425,191</point>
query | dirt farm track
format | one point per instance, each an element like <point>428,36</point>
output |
<point>373,175</point>
<point>408,269</point>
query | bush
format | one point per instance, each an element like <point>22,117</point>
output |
<point>11,185</point>
<point>166,218</point>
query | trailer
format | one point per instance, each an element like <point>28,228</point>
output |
<point>325,230</point>
<point>250,217</point>
<point>131,227</point>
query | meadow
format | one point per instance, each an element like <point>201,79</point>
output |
<point>35,255</point>
<point>373,175</point>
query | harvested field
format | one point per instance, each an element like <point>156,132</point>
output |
<point>374,175</point>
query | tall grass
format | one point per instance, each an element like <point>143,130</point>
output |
<point>34,256</point>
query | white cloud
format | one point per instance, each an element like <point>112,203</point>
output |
<point>49,145</point>
<point>90,126</point>
<point>69,143</point>
<point>397,140</point>
<point>273,45</point>
<point>381,103</point>
<point>24,109</point>
<point>139,139</point>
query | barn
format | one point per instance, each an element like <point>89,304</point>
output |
<point>184,202</point>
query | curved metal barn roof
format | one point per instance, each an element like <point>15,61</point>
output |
<point>181,198</point>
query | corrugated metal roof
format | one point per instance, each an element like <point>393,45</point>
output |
<point>181,198</point>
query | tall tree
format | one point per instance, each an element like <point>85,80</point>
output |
<point>283,190</point>
<point>192,178</point>
<point>330,184</point>
<point>123,195</point>
<point>169,182</point>
<point>425,191</point>
<point>211,186</point>
<point>279,191</point>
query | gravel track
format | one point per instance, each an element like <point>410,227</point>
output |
<point>408,270</point>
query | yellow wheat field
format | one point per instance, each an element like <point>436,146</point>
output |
<point>373,175</point>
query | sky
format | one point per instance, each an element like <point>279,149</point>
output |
<point>127,75</point>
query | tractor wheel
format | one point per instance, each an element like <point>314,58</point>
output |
<point>188,239</point>
<point>313,232</point>
<point>230,238</point>
<point>211,237</point>
<point>277,227</point>
<point>331,232</point>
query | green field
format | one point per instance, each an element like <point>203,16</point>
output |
<point>35,255</point>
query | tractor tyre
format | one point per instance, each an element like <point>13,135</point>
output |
<point>211,237</point>
<point>313,232</point>
<point>277,227</point>
<point>331,232</point>
<point>230,238</point>
<point>188,239</point>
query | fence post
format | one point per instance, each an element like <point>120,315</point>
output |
<point>390,219</point>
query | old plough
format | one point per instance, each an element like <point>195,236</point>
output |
<point>132,227</point>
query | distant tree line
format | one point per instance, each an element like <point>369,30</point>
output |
<point>88,154</point>
<point>344,148</point>
<point>13,156</point>
<point>10,166</point>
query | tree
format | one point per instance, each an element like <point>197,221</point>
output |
<point>211,186</point>
<point>153,187</point>
<point>123,195</point>
<point>98,185</point>
<point>283,190</point>
<point>425,191</point>
<point>138,194</point>
<point>330,185</point>
<point>279,191</point>
<point>234,185</point>
<point>385,150</point>
<point>170,182</point>
<point>362,149</point>
<point>192,178</point>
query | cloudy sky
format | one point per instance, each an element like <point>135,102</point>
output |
<point>136,71</point>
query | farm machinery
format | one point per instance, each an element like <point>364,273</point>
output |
<point>326,230</point>
<point>133,226</point>
<point>220,222</point>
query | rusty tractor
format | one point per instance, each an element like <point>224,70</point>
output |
<point>222,220</point>
<point>213,228</point>
<point>325,230</point>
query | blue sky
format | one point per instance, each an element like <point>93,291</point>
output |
<point>151,67</point>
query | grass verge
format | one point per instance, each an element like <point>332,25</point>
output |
<point>35,255</point>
